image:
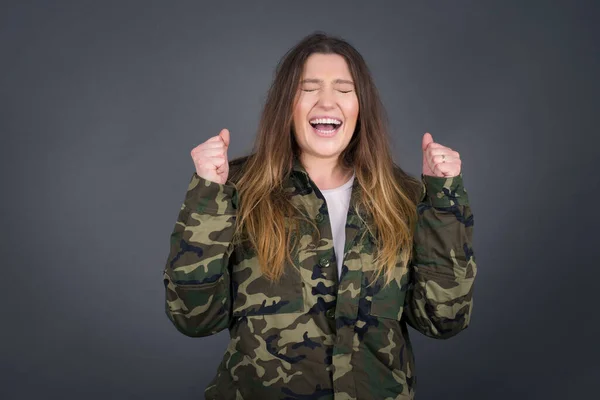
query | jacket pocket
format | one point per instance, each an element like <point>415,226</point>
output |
<point>196,295</point>
<point>388,301</point>
<point>254,294</point>
<point>197,309</point>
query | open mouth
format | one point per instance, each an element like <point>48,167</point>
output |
<point>326,127</point>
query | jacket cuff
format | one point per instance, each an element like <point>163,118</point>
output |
<point>444,192</point>
<point>204,196</point>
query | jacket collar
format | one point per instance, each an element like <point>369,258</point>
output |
<point>353,223</point>
<point>300,174</point>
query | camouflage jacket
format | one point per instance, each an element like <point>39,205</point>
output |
<point>314,336</point>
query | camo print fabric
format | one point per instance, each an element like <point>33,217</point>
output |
<point>314,336</point>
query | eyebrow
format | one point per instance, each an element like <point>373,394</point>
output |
<point>321,81</point>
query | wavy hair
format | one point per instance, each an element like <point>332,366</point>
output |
<point>387,194</point>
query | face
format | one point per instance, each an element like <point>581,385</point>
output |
<point>326,97</point>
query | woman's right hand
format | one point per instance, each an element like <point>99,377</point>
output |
<point>210,158</point>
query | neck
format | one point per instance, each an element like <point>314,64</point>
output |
<point>326,173</point>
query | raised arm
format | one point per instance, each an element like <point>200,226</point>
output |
<point>196,275</point>
<point>439,300</point>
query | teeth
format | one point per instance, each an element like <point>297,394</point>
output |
<point>325,121</point>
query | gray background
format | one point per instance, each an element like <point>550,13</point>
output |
<point>101,103</point>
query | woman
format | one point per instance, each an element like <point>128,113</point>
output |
<point>316,251</point>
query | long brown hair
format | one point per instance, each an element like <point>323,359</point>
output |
<point>387,194</point>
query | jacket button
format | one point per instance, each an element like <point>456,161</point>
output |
<point>319,217</point>
<point>324,262</point>
<point>330,313</point>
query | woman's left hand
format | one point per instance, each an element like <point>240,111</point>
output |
<point>438,160</point>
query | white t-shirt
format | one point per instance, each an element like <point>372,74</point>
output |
<point>338,201</point>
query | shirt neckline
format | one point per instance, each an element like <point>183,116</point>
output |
<point>345,186</point>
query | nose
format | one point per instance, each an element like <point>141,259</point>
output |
<point>326,99</point>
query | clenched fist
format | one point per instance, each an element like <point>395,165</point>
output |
<point>210,158</point>
<point>439,160</point>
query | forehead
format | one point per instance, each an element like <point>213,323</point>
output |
<point>326,66</point>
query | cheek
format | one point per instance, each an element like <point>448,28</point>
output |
<point>351,109</point>
<point>297,122</point>
<point>300,113</point>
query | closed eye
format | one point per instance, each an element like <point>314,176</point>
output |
<point>312,90</point>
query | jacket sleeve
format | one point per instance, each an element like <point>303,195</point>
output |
<point>439,297</point>
<point>196,275</point>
